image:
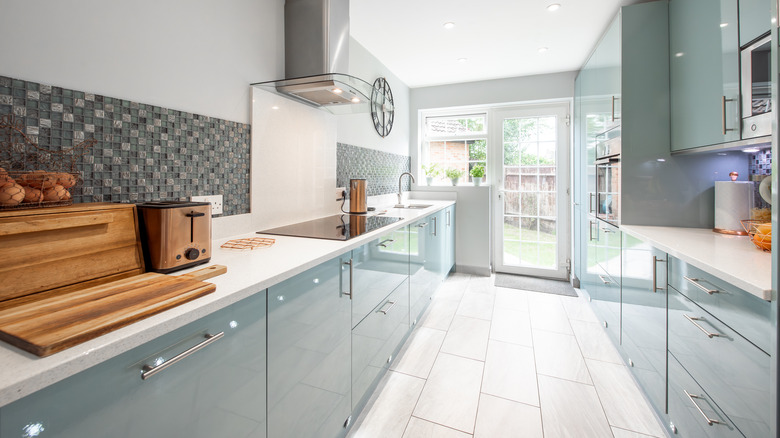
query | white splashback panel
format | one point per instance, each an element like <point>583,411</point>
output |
<point>293,161</point>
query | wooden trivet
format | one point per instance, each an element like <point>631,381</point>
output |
<point>248,243</point>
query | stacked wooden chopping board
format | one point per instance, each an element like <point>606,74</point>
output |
<point>71,274</point>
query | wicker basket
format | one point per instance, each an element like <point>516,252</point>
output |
<point>763,241</point>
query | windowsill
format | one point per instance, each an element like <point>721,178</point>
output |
<point>446,187</point>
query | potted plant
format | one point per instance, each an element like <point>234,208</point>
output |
<point>477,172</point>
<point>431,172</point>
<point>454,175</point>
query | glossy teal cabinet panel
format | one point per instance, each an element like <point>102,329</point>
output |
<point>643,325</point>
<point>449,240</point>
<point>692,412</point>
<point>424,267</point>
<point>375,341</point>
<point>217,391</point>
<point>379,267</point>
<point>590,271</point>
<point>733,371</point>
<point>309,353</point>
<point>754,19</point>
<point>704,69</point>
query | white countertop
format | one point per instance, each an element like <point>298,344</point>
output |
<point>248,272</point>
<point>731,258</point>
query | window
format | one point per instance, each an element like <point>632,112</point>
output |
<point>457,142</point>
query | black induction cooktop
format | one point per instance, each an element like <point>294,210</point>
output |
<point>336,227</point>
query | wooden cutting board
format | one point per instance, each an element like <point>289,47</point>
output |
<point>46,323</point>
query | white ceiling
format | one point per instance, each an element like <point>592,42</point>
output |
<point>499,38</point>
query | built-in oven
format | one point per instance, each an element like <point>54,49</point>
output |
<point>756,88</point>
<point>608,177</point>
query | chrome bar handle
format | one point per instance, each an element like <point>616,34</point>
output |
<point>709,420</point>
<point>607,230</point>
<point>382,243</point>
<point>693,320</point>
<point>448,218</point>
<point>655,287</point>
<point>590,231</point>
<point>601,277</point>
<point>384,311</point>
<point>695,282</point>
<point>591,196</point>
<point>723,101</point>
<point>613,108</point>
<point>150,370</point>
<point>422,225</point>
<point>435,226</point>
<point>349,294</point>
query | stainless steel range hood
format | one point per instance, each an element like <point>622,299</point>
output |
<point>316,34</point>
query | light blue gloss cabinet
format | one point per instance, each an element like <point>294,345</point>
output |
<point>309,352</point>
<point>426,260</point>
<point>217,391</point>
<point>704,72</point>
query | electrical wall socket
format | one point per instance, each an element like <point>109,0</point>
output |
<point>216,202</point>
<point>340,192</point>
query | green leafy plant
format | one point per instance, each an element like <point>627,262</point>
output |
<point>477,171</point>
<point>431,170</point>
<point>454,173</point>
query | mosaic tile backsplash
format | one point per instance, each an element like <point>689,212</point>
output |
<point>380,169</point>
<point>144,152</point>
<point>760,164</point>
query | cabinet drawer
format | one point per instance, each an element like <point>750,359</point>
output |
<point>608,249</point>
<point>734,372</point>
<point>606,304</point>
<point>689,405</point>
<point>378,268</point>
<point>745,313</point>
<point>375,340</point>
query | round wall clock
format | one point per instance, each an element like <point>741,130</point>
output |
<point>382,110</point>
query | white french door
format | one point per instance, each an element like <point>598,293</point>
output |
<point>531,208</point>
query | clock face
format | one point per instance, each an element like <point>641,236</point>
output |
<point>382,109</point>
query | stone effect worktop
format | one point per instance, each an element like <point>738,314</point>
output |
<point>731,258</point>
<point>248,273</point>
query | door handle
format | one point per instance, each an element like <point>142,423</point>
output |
<point>341,292</point>
<point>422,225</point>
<point>693,320</point>
<point>435,227</point>
<point>591,197</point>
<point>709,420</point>
<point>655,287</point>
<point>150,370</point>
<point>723,101</point>
<point>695,282</point>
<point>383,310</point>
<point>382,243</point>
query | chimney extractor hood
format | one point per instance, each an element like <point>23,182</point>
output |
<point>316,34</point>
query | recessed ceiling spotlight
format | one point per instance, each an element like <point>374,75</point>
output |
<point>723,24</point>
<point>338,90</point>
<point>462,59</point>
<point>274,107</point>
<point>355,100</point>
<point>449,25</point>
<point>543,49</point>
<point>553,7</point>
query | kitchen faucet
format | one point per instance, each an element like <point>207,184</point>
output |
<point>399,184</point>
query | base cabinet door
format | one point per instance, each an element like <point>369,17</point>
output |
<point>449,237</point>
<point>216,391</point>
<point>643,327</point>
<point>309,347</point>
<point>424,272</point>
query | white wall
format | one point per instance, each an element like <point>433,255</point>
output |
<point>197,56</point>
<point>358,129</point>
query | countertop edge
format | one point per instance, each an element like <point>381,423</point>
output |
<point>39,373</point>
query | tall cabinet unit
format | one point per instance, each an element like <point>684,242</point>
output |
<point>309,351</point>
<point>218,390</point>
<point>704,45</point>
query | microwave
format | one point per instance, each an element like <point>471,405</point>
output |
<point>756,87</point>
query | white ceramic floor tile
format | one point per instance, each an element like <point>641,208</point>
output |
<point>453,288</point>
<point>622,433</point>
<point>623,401</point>
<point>476,305</point>
<point>451,394</point>
<point>579,309</point>
<point>498,417</point>
<point>594,342</point>
<point>510,373</point>
<point>439,314</point>
<point>390,411</point>
<point>559,356</point>
<point>467,337</point>
<point>512,326</point>
<point>547,313</point>
<point>571,409</point>
<point>511,299</point>
<point>419,352</point>
<point>419,428</point>
<point>481,285</point>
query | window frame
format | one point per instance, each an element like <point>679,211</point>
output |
<point>452,113</point>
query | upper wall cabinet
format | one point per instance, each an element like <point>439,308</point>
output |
<point>754,20</point>
<point>704,67</point>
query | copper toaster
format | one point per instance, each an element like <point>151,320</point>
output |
<point>175,234</point>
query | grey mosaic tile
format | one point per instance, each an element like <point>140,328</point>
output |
<point>380,169</point>
<point>143,153</point>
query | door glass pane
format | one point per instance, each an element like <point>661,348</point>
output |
<point>530,191</point>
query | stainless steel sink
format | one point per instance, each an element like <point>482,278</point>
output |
<point>414,206</point>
